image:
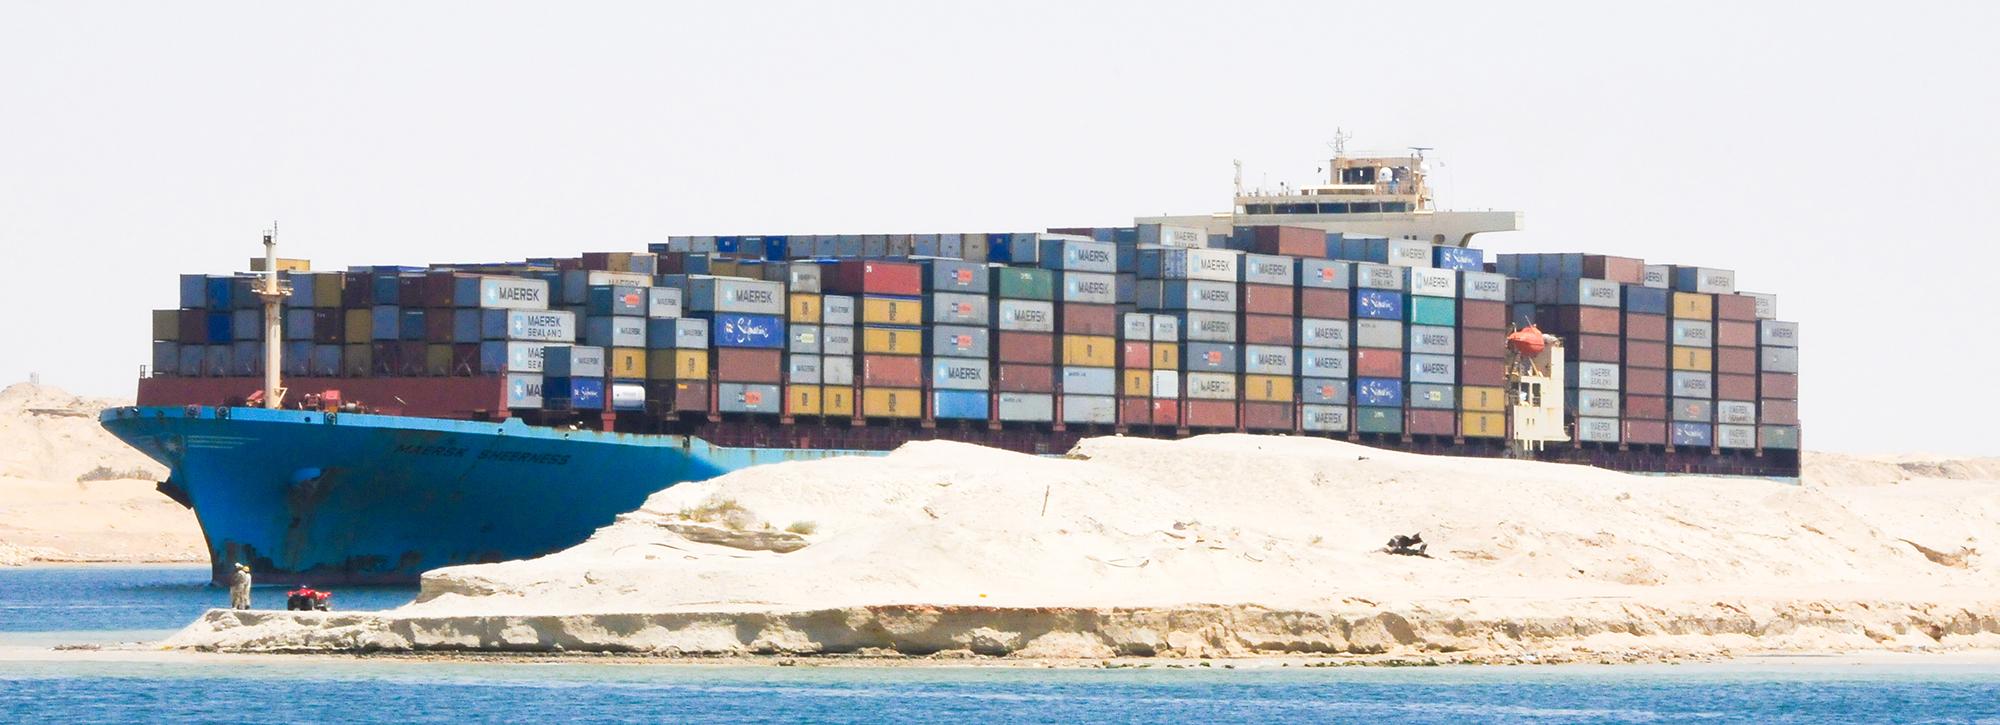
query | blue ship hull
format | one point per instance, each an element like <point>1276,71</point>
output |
<point>306,497</point>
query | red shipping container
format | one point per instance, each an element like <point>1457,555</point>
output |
<point>1581,320</point>
<point>1651,432</point>
<point>1778,412</point>
<point>1645,381</point>
<point>438,325</point>
<point>1374,363</point>
<point>565,264</point>
<point>672,264</point>
<point>1272,416</point>
<point>414,290</point>
<point>1268,299</point>
<point>678,396</point>
<point>757,365</point>
<point>194,327</point>
<point>360,290</point>
<point>1167,412</point>
<point>1778,385</point>
<point>1034,348</point>
<point>410,357</point>
<point>887,371</point>
<point>1135,355</point>
<point>1738,308</point>
<point>1293,241</point>
<point>464,358</point>
<point>1431,422</point>
<point>1735,334</point>
<point>1645,407</point>
<point>1640,326</point>
<point>1082,319</point>
<point>385,358</point>
<point>329,326</point>
<point>1643,354</point>
<point>1016,378</point>
<point>1135,411</point>
<point>1482,315</point>
<point>874,277</point>
<point>1736,387</point>
<point>1597,348</point>
<point>1736,360</point>
<point>1483,343</point>
<point>1270,330</point>
<point>438,290</point>
<point>1330,304</point>
<point>1210,414</point>
<point>1617,269</point>
<point>1486,371</point>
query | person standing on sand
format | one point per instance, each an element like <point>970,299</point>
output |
<point>239,587</point>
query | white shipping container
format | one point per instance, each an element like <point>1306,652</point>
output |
<point>1378,276</point>
<point>576,283</point>
<point>1088,381</point>
<point>1321,362</point>
<point>1383,334</point>
<point>1597,403</point>
<point>837,340</point>
<point>1323,418</point>
<point>1657,276</point>
<point>1211,386</point>
<point>1772,333</point>
<point>1089,409</point>
<point>1438,369</point>
<point>1409,253</point>
<point>524,390</point>
<point>1136,327</point>
<point>1316,332</point>
<point>803,339</point>
<point>1269,360</point>
<point>1166,328</point>
<point>1736,412</point>
<point>1428,282</point>
<point>1693,385</point>
<point>1597,430</point>
<point>1214,265</point>
<point>803,370</point>
<point>836,370</point>
<point>1597,376</point>
<point>1736,436</point>
<point>1778,359</point>
<point>1210,326</point>
<point>663,303</point>
<point>1091,288</point>
<point>630,396</point>
<point>1168,235</point>
<point>528,325</point>
<point>1269,269</point>
<point>512,357</point>
<point>1433,339</point>
<point>1025,315</point>
<point>1767,304</point>
<point>836,309</point>
<point>513,293</point>
<point>1025,407</point>
<point>1491,286</point>
<point>733,294</point>
<point>1166,384</point>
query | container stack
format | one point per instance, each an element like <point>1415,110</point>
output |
<point>1087,318</point>
<point>1648,307</point>
<point>839,347</point>
<point>1268,393</point>
<point>1692,335</point>
<point>1197,288</point>
<point>957,296</point>
<point>1432,350</point>
<point>1778,384</point>
<point>1380,339</point>
<point>891,365</point>
<point>574,378</point>
<point>805,340</point>
<point>1149,371</point>
<point>747,340</point>
<point>1482,344</point>
<point>1326,337</point>
<point>1735,368</point>
<point>1024,345</point>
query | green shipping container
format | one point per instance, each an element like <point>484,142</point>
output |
<point>1022,283</point>
<point>1441,311</point>
<point>1379,420</point>
<point>1778,436</point>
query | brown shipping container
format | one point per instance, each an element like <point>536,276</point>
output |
<point>1778,385</point>
<point>1597,348</point>
<point>1135,355</point>
<point>1167,412</point>
<point>1645,381</point>
<point>1651,432</point>
<point>329,326</point>
<point>1778,412</point>
<point>1736,334</point>
<point>1581,320</point>
<point>1268,299</point>
<point>1135,411</point>
<point>1034,348</point>
<point>1331,304</point>
<point>412,290</point>
<point>1735,387</point>
<point>1082,319</point>
<point>386,358</point>
<point>1740,308</point>
<point>1651,328</point>
<point>678,396</point>
<point>1268,416</point>
<point>1374,363</point>
<point>360,290</point>
<point>1431,422</point>
<point>751,365</point>
<point>1017,378</point>
<point>1483,343</point>
<point>438,325</point>
<point>1482,315</point>
<point>1293,241</point>
<point>194,327</point>
<point>1270,330</point>
<point>1643,354</point>
<point>1736,361</point>
<point>874,277</point>
<point>411,357</point>
<point>1210,414</point>
<point>1490,372</point>
<point>891,371</point>
<point>464,359</point>
<point>1617,269</point>
<point>1645,407</point>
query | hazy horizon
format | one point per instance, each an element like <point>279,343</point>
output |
<point>1824,153</point>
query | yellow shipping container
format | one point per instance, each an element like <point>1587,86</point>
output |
<point>1090,351</point>
<point>837,401</point>
<point>360,325</point>
<point>167,325</point>
<point>1138,383</point>
<point>891,311</point>
<point>891,341</point>
<point>1694,306</point>
<point>725,268</point>
<point>804,308</point>
<point>284,265</point>
<point>892,403</point>
<point>626,363</point>
<point>1166,356</point>
<point>1474,424</point>
<point>802,400</point>
<point>1268,388</point>
<point>1477,399</point>
<point>677,364</point>
<point>327,287</point>
<point>437,360</point>
<point>357,360</point>
<point>1697,359</point>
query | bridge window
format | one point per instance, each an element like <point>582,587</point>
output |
<point>1395,207</point>
<point>1366,207</point>
<point>1256,208</point>
<point>1333,208</point>
<point>1295,208</point>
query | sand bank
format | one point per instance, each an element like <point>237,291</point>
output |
<point>70,492</point>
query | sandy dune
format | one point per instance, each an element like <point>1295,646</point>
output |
<point>1224,545</point>
<point>48,439</point>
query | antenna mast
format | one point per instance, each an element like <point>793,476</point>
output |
<point>273,295</point>
<point>1239,176</point>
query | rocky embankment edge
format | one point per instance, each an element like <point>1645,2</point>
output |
<point>1589,630</point>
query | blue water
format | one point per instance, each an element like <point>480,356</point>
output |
<point>37,685</point>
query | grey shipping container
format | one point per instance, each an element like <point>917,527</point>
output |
<point>1489,286</point>
<point>951,308</point>
<point>1692,333</point>
<point>1090,288</point>
<point>1380,276</point>
<point>687,333</point>
<point>1187,295</point>
<point>1440,369</point>
<point>1326,274</point>
<point>1136,326</point>
<point>1772,333</point>
<point>1269,269</point>
<point>1215,265</point>
<point>1315,332</point>
<point>1382,334</point>
<point>1433,396</point>
<point>524,390</point>
<point>1433,340</point>
<point>1025,407</point>
<point>803,370</point>
<point>1089,409</point>
<point>573,361</point>
<point>511,357</point>
<point>531,325</point>
<point>804,277</point>
<point>836,370</point>
<point>1323,362</point>
<point>803,339</point>
<point>1778,359</point>
<point>1596,403</point>
<point>1657,276</point>
<point>1209,326</point>
<point>748,398</point>
<point>1211,386</point>
<point>1024,315</point>
<point>1596,376</point>
<point>512,293</point>
<point>951,275</point>
<point>1089,381</point>
<point>616,331</point>
<point>730,294</point>
<point>836,340</point>
<point>961,373</point>
<point>837,310</point>
<point>960,341</point>
<point>1270,360</point>
<point>1166,328</point>
<point>1736,436</point>
<point>1323,418</point>
<point>1433,282</point>
<point>1692,385</point>
<point>1736,412</point>
<point>663,303</point>
<point>1597,430</point>
<point>1690,410</point>
<point>1323,391</point>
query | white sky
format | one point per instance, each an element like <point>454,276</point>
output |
<point>1833,153</point>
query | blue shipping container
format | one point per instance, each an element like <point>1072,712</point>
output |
<point>219,289</point>
<point>960,404</point>
<point>1458,258</point>
<point>221,326</point>
<point>733,330</point>
<point>1386,392</point>
<point>1693,434</point>
<point>1378,304</point>
<point>1648,300</point>
<point>578,393</point>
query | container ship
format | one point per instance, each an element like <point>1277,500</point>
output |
<point>369,424</point>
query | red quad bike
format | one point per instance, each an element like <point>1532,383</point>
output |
<point>308,599</point>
